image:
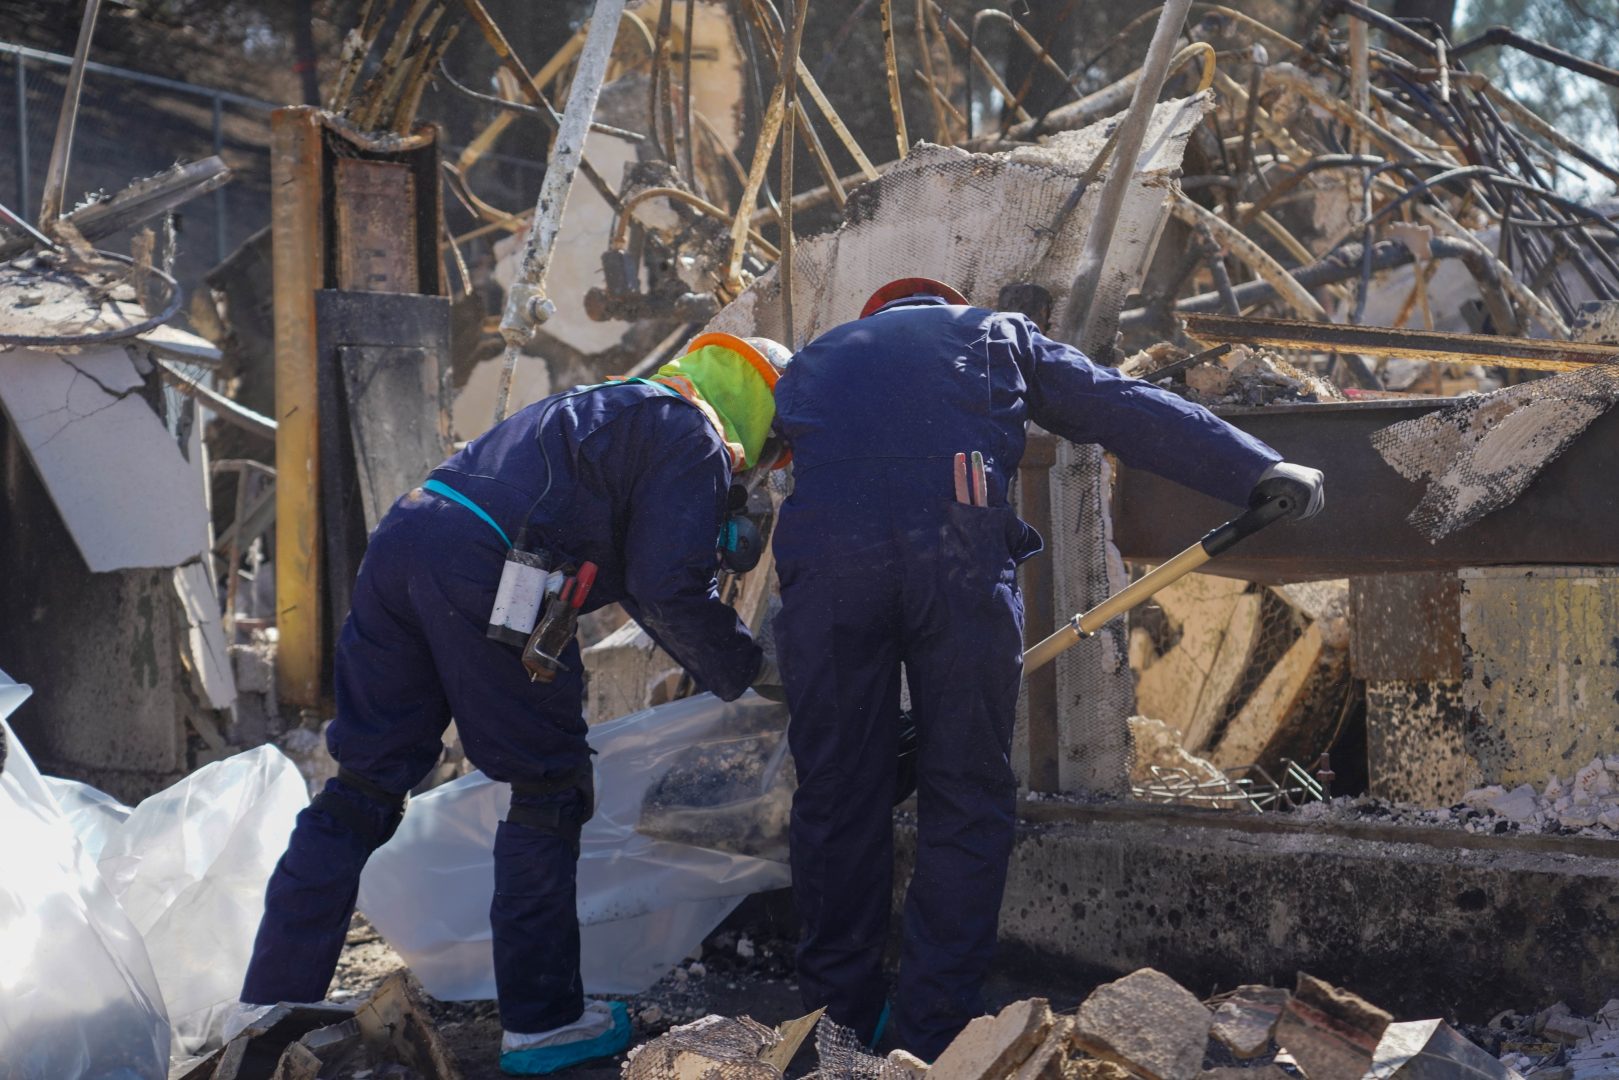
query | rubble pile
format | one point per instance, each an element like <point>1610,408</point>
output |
<point>1587,806</point>
<point>1590,800</point>
<point>1557,1044</point>
<point>389,1036</point>
<point>1241,376</point>
<point>1149,1027</point>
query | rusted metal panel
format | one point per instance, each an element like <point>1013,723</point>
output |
<point>379,377</point>
<point>1569,516</point>
<point>299,243</point>
<point>1414,747</point>
<point>1542,677</point>
<point>1534,353</point>
<point>376,230</point>
<point>1405,627</point>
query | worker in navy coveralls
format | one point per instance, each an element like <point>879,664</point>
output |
<point>881,565</point>
<point>633,476</point>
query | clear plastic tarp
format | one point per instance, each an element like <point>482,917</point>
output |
<point>644,903</point>
<point>78,997</point>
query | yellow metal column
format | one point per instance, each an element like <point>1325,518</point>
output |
<point>296,226</point>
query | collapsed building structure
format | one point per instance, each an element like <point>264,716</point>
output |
<point>1349,244</point>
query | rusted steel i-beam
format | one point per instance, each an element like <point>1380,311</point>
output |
<point>1534,353</point>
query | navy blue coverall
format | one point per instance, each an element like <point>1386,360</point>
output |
<point>638,485</point>
<point>880,566</point>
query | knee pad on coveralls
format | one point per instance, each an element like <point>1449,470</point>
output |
<point>564,818</point>
<point>371,813</point>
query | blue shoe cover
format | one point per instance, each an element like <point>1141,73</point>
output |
<point>544,1060</point>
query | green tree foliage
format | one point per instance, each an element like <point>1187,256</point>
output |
<point>1582,108</point>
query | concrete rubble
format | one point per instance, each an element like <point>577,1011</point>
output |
<point>1146,1026</point>
<point>389,1034</point>
<point>1148,1023</point>
<point>1246,1020</point>
<point>1330,1032</point>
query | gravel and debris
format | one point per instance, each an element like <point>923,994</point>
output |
<point>1242,376</point>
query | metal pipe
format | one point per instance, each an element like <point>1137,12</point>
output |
<point>1505,35</point>
<point>22,134</point>
<point>768,130</point>
<point>896,104</point>
<point>798,12</point>
<point>50,205</point>
<point>1079,315</point>
<point>941,127</point>
<point>688,150</point>
<point>526,305</point>
<point>221,247</point>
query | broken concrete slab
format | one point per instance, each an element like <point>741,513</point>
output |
<point>1433,1050</point>
<point>994,1046</point>
<point>117,477</point>
<point>1245,1021</point>
<point>1148,1023</point>
<point>211,669</point>
<point>1050,1059</point>
<point>1331,1032</point>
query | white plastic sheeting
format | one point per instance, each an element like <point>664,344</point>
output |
<point>643,904</point>
<point>78,997</point>
<point>152,910</point>
<point>189,867</point>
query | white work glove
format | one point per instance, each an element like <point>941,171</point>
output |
<point>1301,485</point>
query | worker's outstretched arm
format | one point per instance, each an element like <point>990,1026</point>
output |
<point>676,504</point>
<point>1144,426</point>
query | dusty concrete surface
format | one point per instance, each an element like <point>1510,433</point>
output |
<point>1425,922</point>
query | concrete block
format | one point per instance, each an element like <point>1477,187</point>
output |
<point>1564,1027</point>
<point>1330,1032</point>
<point>1050,1059</point>
<point>1433,1050</point>
<point>1424,921</point>
<point>1245,1021</point>
<point>992,1047</point>
<point>1148,1023</point>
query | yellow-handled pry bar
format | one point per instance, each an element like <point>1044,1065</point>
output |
<point>1217,541</point>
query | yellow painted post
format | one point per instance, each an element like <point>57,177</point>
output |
<point>296,224</point>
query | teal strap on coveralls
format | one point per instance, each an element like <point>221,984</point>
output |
<point>438,487</point>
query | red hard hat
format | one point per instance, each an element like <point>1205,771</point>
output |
<point>900,288</point>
